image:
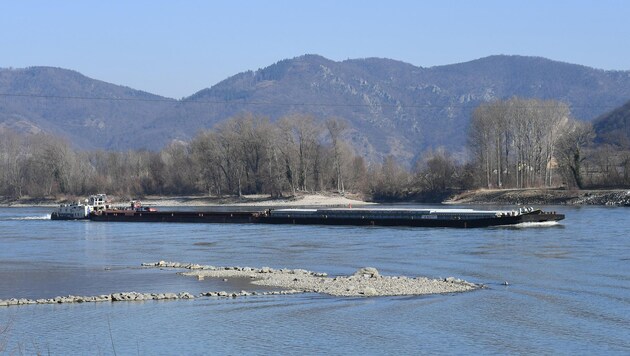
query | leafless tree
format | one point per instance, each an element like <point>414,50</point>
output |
<point>437,171</point>
<point>573,141</point>
<point>335,129</point>
<point>514,141</point>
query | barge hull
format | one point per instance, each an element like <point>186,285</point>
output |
<point>484,222</point>
<point>176,216</point>
<point>265,218</point>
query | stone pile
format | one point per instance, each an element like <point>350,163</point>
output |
<point>229,270</point>
<point>365,282</point>
<point>615,198</point>
<point>138,297</point>
<point>114,297</point>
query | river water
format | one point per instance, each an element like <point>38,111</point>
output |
<point>568,288</point>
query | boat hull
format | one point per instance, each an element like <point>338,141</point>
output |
<point>176,216</point>
<point>263,217</point>
<point>56,216</point>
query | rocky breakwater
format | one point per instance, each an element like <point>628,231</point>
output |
<point>366,281</point>
<point>608,198</point>
<point>136,297</point>
<point>540,196</point>
<point>113,297</point>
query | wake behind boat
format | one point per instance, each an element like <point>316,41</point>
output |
<point>461,218</point>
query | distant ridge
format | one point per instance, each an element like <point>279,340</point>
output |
<point>392,107</point>
<point>614,127</point>
<point>47,99</point>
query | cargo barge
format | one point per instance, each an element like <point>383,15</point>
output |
<point>459,218</point>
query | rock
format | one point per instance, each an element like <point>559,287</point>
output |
<point>368,272</point>
<point>369,291</point>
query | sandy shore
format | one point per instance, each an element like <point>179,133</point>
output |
<point>314,200</point>
<point>329,200</point>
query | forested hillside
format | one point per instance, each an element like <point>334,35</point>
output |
<point>614,127</point>
<point>389,107</point>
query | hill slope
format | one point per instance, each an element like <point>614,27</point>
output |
<point>392,107</point>
<point>90,113</point>
<point>614,127</point>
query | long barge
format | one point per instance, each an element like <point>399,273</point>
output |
<point>458,218</point>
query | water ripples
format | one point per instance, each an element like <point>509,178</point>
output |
<point>568,287</point>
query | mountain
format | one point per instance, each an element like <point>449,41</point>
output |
<point>614,127</point>
<point>391,107</point>
<point>90,113</point>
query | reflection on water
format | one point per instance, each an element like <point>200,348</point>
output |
<point>567,287</point>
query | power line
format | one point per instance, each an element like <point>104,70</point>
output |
<point>256,103</point>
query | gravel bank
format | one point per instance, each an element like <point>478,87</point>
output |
<point>366,281</point>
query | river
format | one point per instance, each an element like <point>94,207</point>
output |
<point>567,292</point>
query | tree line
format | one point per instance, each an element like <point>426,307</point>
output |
<point>523,143</point>
<point>515,143</point>
<point>247,154</point>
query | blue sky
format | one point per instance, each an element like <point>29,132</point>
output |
<point>177,48</point>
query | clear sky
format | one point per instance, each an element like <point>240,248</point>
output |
<point>175,48</point>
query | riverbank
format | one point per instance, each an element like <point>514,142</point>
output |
<point>610,197</point>
<point>534,196</point>
<point>261,200</point>
<point>258,200</point>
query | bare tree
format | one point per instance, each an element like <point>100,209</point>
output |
<point>571,147</point>
<point>437,171</point>
<point>288,151</point>
<point>335,129</point>
<point>301,135</point>
<point>13,154</point>
<point>514,141</point>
